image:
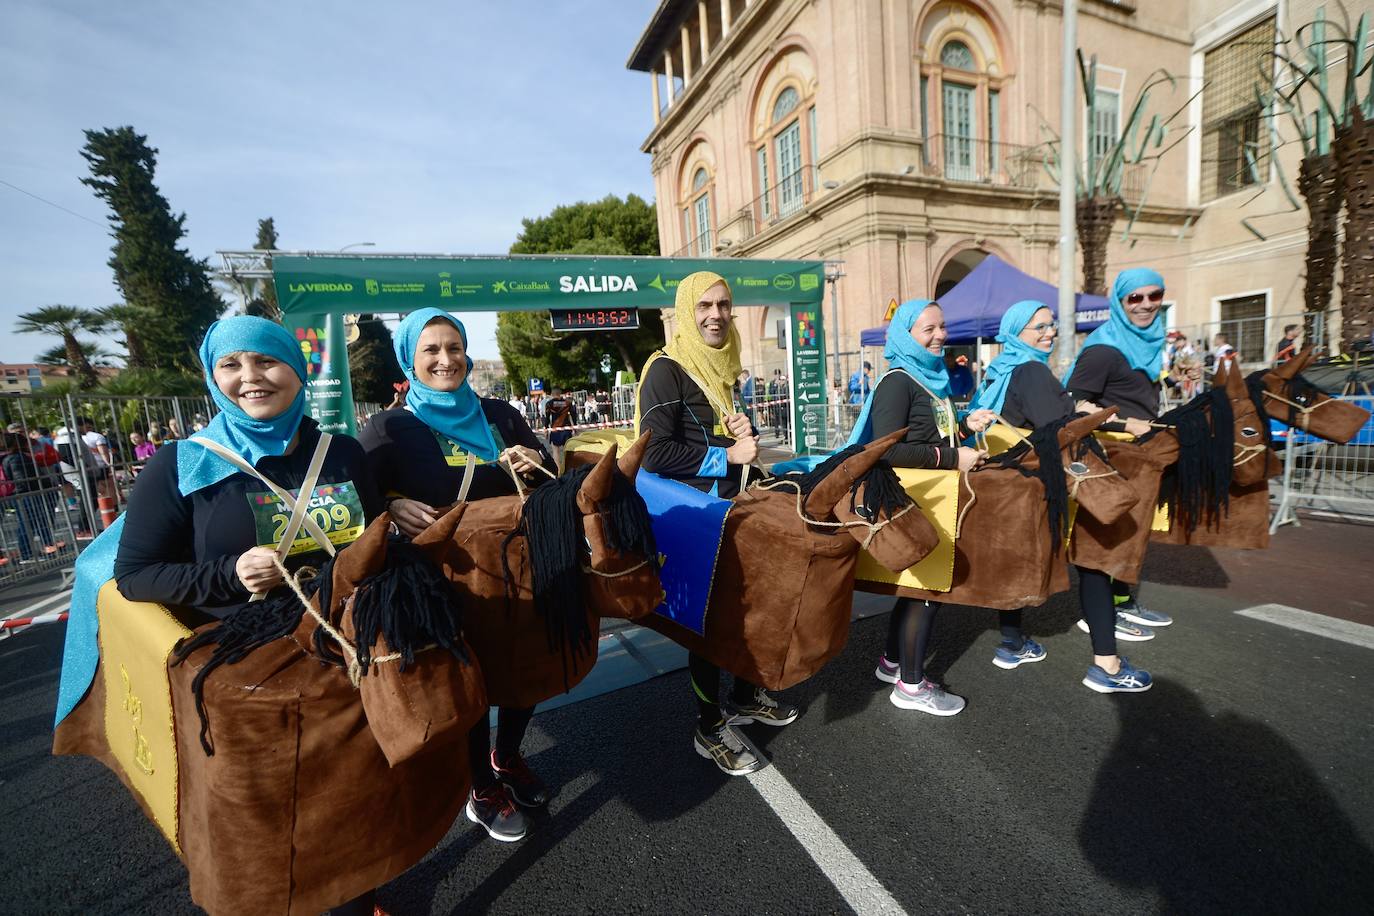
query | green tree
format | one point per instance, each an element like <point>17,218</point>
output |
<point>264,301</point>
<point>528,346</point>
<point>372,364</point>
<point>66,321</point>
<point>95,354</point>
<point>132,320</point>
<point>151,268</point>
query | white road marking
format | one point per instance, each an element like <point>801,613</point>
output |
<point>863,892</point>
<point>1357,634</point>
<point>32,608</point>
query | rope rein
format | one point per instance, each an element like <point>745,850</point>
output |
<point>1304,411</point>
<point>873,527</point>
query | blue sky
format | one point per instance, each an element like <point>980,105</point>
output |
<point>430,127</point>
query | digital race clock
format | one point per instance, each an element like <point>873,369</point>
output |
<point>594,319</point>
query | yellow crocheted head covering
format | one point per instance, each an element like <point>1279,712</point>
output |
<point>714,367</point>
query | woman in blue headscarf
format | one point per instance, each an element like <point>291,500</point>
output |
<point>201,533</point>
<point>1121,365</point>
<point>914,395</point>
<point>419,454</point>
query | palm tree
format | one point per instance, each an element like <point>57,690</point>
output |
<point>66,321</point>
<point>131,319</point>
<point>98,356</point>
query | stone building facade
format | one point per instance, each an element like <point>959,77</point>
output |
<point>906,140</point>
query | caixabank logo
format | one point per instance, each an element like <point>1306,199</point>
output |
<point>315,348</point>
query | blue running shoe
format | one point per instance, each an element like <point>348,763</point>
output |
<point>1136,612</point>
<point>1008,657</point>
<point>1128,680</point>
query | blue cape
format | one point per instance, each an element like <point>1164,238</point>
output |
<point>1142,347</point>
<point>456,414</point>
<point>1015,352</point>
<point>198,467</point>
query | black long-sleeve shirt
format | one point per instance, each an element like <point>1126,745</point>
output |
<point>409,459</point>
<point>1035,397</point>
<point>688,441</point>
<point>182,549</point>
<point>1103,376</point>
<point>899,402</point>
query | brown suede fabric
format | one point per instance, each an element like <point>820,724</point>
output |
<point>1335,420</point>
<point>902,542</point>
<point>1245,524</point>
<point>781,598</point>
<point>1118,548</point>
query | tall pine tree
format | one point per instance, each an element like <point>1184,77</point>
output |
<point>264,301</point>
<point>152,269</point>
<point>372,364</point>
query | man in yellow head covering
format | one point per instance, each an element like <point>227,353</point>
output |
<point>702,438</point>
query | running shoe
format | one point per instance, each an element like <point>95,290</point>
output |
<point>1129,679</point>
<point>1010,657</point>
<point>526,788</point>
<point>887,672</point>
<point>926,696</point>
<point>729,749</point>
<point>1125,630</point>
<point>494,809</point>
<point>1136,612</point>
<point>761,708</point>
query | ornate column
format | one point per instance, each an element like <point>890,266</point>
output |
<point>653,75</point>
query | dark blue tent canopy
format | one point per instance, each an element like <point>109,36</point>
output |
<point>974,308</point>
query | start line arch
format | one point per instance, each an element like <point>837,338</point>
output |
<point>315,289</point>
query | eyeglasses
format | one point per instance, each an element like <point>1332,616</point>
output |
<point>1042,327</point>
<point>1137,298</point>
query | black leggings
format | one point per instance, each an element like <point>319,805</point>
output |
<point>706,689</point>
<point>1010,624</point>
<point>511,725</point>
<point>908,636</point>
<point>1099,608</point>
<point>363,905</point>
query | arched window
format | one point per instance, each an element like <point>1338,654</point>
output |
<point>787,152</point>
<point>784,142</point>
<point>957,55</point>
<point>696,215</point>
<point>787,102</point>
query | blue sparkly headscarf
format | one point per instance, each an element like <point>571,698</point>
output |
<point>456,414</point>
<point>1142,347</point>
<point>252,439</point>
<point>905,353</point>
<point>992,394</point>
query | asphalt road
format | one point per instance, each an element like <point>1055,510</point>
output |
<point>1239,784</point>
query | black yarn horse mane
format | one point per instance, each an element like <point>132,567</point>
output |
<point>551,523</point>
<point>1044,440</point>
<point>883,492</point>
<point>1198,485</point>
<point>409,603</point>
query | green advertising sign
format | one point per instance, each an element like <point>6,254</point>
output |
<point>806,354</point>
<point>320,284</point>
<point>328,387</point>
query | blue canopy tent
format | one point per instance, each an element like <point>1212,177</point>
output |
<point>974,308</point>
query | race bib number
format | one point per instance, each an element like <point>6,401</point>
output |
<point>453,453</point>
<point>334,507</point>
<point>944,417</point>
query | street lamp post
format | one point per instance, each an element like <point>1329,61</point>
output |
<point>1068,189</point>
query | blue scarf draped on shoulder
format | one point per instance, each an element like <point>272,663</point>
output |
<point>197,468</point>
<point>455,414</point>
<point>992,394</point>
<point>1143,348</point>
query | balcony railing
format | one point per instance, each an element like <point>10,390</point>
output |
<point>975,161</point>
<point>786,198</point>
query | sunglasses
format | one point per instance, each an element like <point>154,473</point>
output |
<point>1137,298</point>
<point>1042,327</point>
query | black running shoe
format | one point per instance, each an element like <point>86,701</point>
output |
<point>494,809</point>
<point>729,750</point>
<point>526,788</point>
<point>763,709</point>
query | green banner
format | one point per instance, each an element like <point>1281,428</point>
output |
<point>322,284</point>
<point>328,387</point>
<point>806,354</point>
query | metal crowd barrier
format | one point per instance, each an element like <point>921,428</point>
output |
<point>1324,476</point>
<point>41,530</point>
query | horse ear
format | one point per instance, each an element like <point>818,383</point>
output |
<point>1079,427</point>
<point>435,539</point>
<point>1235,384</point>
<point>634,456</point>
<point>596,488</point>
<point>364,557</point>
<point>1295,365</point>
<point>1219,377</point>
<point>829,491</point>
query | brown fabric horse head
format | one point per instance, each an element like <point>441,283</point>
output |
<point>860,490</point>
<point>540,572</point>
<point>1091,481</point>
<point>1252,458</point>
<point>1292,399</point>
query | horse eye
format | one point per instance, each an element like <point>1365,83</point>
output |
<point>1247,431</point>
<point>1078,469</point>
<point>588,541</point>
<point>863,513</point>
